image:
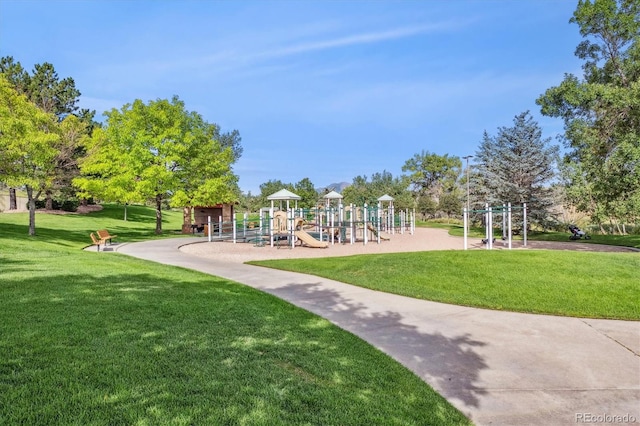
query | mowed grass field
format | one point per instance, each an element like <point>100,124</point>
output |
<point>567,283</point>
<point>101,338</point>
<point>631,240</point>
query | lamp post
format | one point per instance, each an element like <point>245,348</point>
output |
<point>467,158</point>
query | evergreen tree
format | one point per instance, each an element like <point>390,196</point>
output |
<point>517,166</point>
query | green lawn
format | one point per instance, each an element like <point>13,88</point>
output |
<point>581,284</point>
<point>101,338</point>
<point>457,230</point>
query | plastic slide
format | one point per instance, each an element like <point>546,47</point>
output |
<point>375,232</point>
<point>310,241</point>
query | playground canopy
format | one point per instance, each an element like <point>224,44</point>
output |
<point>333,195</point>
<point>284,195</point>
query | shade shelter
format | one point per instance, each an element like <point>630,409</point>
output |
<point>333,195</point>
<point>334,215</point>
<point>386,198</point>
<point>284,195</point>
<point>288,196</point>
<point>223,212</point>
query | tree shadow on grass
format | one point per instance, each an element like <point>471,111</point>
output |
<point>76,238</point>
<point>142,347</point>
<point>450,364</point>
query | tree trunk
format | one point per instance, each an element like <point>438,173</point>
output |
<point>31,203</point>
<point>159,214</point>
<point>48,205</point>
<point>186,220</point>
<point>13,199</point>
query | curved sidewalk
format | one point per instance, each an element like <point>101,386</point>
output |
<point>498,368</point>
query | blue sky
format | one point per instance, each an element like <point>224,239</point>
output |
<point>327,90</point>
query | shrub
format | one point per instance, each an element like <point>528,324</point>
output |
<point>68,205</point>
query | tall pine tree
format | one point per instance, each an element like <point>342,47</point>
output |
<point>517,166</point>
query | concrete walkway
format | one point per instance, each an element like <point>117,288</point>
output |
<point>498,368</point>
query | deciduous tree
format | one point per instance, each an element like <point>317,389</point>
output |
<point>362,190</point>
<point>158,151</point>
<point>55,96</point>
<point>18,77</point>
<point>601,111</point>
<point>28,140</point>
<point>432,178</point>
<point>430,174</point>
<point>307,192</point>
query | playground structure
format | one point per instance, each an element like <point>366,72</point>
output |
<point>488,212</point>
<point>319,227</point>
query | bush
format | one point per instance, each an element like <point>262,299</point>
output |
<point>68,205</point>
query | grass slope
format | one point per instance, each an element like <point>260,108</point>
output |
<point>595,285</point>
<point>96,338</point>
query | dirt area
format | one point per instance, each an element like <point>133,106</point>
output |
<point>424,239</point>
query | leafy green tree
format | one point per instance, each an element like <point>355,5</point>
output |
<point>19,79</point>
<point>249,202</point>
<point>601,111</point>
<point>430,174</point>
<point>517,166</point>
<point>359,192</point>
<point>155,152</point>
<point>204,172</point>
<point>363,191</point>
<point>27,145</point>
<point>426,207</point>
<point>450,203</point>
<point>433,177</point>
<point>307,192</point>
<point>55,96</point>
<point>271,187</point>
<point>103,173</point>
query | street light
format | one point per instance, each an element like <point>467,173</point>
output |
<point>467,158</point>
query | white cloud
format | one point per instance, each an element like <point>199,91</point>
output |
<point>357,39</point>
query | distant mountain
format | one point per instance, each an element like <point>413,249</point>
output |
<point>338,187</point>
